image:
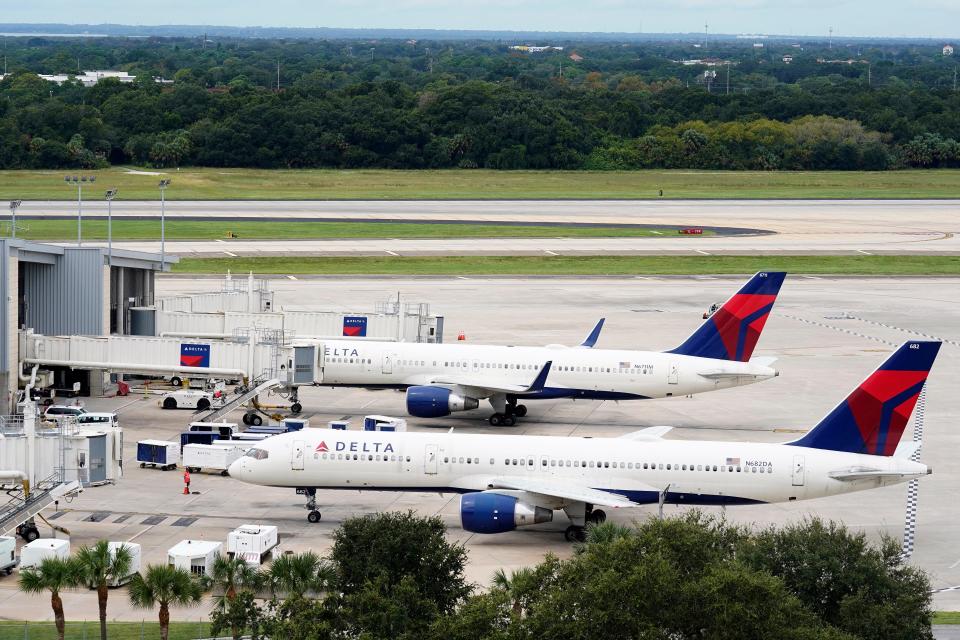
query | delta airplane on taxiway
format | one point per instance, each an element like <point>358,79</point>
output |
<point>511,481</point>
<point>442,378</point>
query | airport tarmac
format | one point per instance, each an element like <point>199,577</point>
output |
<point>827,333</point>
<point>798,226</point>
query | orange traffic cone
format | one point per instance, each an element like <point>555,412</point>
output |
<point>461,336</point>
<point>186,490</point>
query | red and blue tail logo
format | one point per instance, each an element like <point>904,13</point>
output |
<point>874,416</point>
<point>733,331</point>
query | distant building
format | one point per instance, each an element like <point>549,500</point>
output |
<point>758,45</point>
<point>704,62</point>
<point>90,78</point>
<point>526,48</point>
<point>787,59</point>
<point>948,49</point>
<point>576,57</point>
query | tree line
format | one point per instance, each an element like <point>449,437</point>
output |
<point>412,105</point>
<point>395,576</point>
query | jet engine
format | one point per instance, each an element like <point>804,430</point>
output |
<point>436,402</point>
<point>488,512</point>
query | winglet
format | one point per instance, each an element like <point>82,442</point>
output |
<point>594,335</point>
<point>541,380</point>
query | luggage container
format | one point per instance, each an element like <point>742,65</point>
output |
<point>248,437</point>
<point>195,556</point>
<point>225,429</point>
<point>161,454</point>
<point>213,457</point>
<point>31,555</point>
<point>197,437</point>
<point>384,423</point>
<point>339,425</point>
<point>295,424</point>
<point>8,551</point>
<point>252,542</point>
<point>134,549</point>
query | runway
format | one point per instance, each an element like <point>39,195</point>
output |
<point>881,227</point>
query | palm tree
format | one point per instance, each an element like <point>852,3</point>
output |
<point>605,533</point>
<point>164,585</point>
<point>232,576</point>
<point>53,575</point>
<point>99,566</point>
<point>516,586</point>
<point>296,574</point>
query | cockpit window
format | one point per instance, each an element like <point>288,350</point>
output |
<point>257,454</point>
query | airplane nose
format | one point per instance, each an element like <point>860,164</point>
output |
<point>236,467</point>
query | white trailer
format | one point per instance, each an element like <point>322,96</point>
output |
<point>195,556</point>
<point>134,549</point>
<point>213,457</point>
<point>31,555</point>
<point>252,542</point>
<point>8,551</point>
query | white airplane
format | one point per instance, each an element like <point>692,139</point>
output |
<point>512,481</point>
<point>442,378</point>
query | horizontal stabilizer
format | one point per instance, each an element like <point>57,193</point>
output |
<point>764,361</point>
<point>906,449</point>
<point>863,473</point>
<point>650,433</point>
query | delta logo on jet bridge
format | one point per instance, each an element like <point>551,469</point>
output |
<point>194,355</point>
<point>355,326</point>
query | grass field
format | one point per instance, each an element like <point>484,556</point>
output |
<point>53,230</point>
<point>317,184</point>
<point>90,630</point>
<point>578,265</point>
<point>946,617</point>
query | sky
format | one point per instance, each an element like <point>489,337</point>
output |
<point>916,18</point>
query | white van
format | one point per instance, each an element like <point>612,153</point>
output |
<point>94,419</point>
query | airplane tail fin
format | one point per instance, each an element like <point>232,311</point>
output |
<point>874,416</point>
<point>733,331</point>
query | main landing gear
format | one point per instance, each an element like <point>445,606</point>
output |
<point>508,417</point>
<point>577,533</point>
<point>313,516</point>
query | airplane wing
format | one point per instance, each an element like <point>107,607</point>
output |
<point>650,433</point>
<point>566,491</point>
<point>489,385</point>
<point>594,336</point>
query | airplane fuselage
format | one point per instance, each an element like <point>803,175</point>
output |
<point>602,374</point>
<point>643,471</point>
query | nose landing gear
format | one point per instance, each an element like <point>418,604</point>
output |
<point>313,516</point>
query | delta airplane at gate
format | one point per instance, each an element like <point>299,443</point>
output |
<point>512,481</point>
<point>440,379</point>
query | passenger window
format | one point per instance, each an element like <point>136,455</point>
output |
<point>668,467</point>
<point>553,463</point>
<point>446,460</point>
<point>591,464</point>
<point>629,465</point>
<point>576,463</point>
<point>491,460</point>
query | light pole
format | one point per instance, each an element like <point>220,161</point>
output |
<point>164,183</point>
<point>110,195</point>
<point>14,205</point>
<point>79,181</point>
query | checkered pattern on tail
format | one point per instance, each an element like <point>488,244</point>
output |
<point>913,488</point>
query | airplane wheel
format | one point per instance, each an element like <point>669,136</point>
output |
<point>169,403</point>
<point>496,420</point>
<point>520,411</point>
<point>246,418</point>
<point>143,465</point>
<point>313,517</point>
<point>255,420</point>
<point>598,516</point>
<point>509,421</point>
<point>575,534</point>
<point>203,404</point>
<point>296,407</point>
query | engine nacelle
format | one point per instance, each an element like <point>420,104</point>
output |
<point>496,513</point>
<point>436,402</point>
